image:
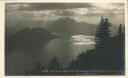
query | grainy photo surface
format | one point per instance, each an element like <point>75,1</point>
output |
<point>64,39</point>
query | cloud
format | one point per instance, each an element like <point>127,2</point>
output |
<point>71,12</point>
<point>109,7</point>
<point>67,9</point>
<point>52,11</point>
<point>45,6</point>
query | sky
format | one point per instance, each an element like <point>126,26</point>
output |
<point>81,12</point>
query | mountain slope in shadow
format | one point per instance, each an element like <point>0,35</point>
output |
<point>29,39</point>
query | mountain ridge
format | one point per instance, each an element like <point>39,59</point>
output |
<point>68,26</point>
<point>29,38</point>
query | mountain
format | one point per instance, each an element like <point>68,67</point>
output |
<point>30,39</point>
<point>68,26</point>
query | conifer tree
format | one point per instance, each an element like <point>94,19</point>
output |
<point>102,35</point>
<point>54,64</point>
<point>120,47</point>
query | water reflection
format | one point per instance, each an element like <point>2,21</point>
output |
<point>67,48</point>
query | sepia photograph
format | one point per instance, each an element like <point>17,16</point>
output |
<point>64,39</point>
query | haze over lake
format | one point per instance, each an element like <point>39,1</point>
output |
<point>65,48</point>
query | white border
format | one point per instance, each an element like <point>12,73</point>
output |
<point>2,23</point>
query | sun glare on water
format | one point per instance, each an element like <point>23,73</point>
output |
<point>82,40</point>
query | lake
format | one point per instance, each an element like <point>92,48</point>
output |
<point>66,48</point>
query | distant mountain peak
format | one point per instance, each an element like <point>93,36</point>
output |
<point>68,26</point>
<point>66,19</point>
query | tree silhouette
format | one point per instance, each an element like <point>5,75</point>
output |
<point>102,35</point>
<point>120,47</point>
<point>37,70</point>
<point>54,64</point>
<point>108,54</point>
<point>102,46</point>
